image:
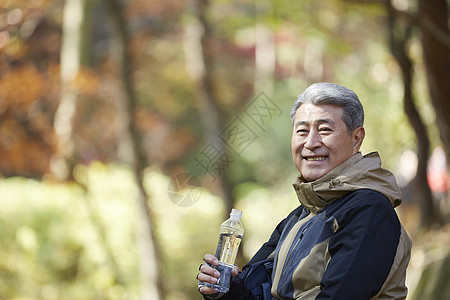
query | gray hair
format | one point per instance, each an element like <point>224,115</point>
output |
<point>328,93</point>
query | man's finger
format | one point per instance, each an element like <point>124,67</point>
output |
<point>209,270</point>
<point>206,290</point>
<point>206,278</point>
<point>235,271</point>
<point>211,259</point>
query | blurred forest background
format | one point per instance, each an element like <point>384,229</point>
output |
<point>129,129</point>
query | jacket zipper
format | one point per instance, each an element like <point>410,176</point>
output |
<point>295,246</point>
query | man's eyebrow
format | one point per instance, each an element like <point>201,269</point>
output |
<point>326,121</point>
<point>298,123</point>
<point>319,121</point>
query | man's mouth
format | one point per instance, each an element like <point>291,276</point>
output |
<point>315,158</point>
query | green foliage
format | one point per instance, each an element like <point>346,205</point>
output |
<point>52,248</point>
<point>63,242</point>
<point>434,282</point>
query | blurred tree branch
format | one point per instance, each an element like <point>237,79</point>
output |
<point>419,20</point>
<point>72,50</point>
<point>151,282</point>
<point>425,24</point>
<point>436,57</point>
<point>398,39</point>
<point>200,52</point>
<point>432,20</point>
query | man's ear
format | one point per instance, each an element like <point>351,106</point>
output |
<point>357,137</point>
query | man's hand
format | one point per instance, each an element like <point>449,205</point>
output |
<point>211,275</point>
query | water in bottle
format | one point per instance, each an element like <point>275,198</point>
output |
<point>230,237</point>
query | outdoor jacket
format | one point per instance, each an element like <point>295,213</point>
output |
<point>343,242</point>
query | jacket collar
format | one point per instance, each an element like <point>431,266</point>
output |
<point>358,172</point>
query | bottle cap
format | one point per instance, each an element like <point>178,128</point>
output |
<point>236,214</point>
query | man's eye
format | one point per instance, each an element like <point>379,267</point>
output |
<point>302,131</point>
<point>324,129</point>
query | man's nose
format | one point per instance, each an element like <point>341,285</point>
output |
<point>313,140</point>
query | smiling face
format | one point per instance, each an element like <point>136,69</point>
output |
<point>320,140</point>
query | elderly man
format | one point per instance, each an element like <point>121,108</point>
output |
<point>344,241</point>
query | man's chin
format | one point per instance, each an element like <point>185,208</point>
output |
<point>313,176</point>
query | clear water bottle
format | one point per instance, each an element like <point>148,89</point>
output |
<point>231,232</point>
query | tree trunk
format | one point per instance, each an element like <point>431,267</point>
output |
<point>73,57</point>
<point>437,61</point>
<point>148,250</point>
<point>200,63</point>
<point>421,191</point>
<point>72,50</point>
<point>199,52</point>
